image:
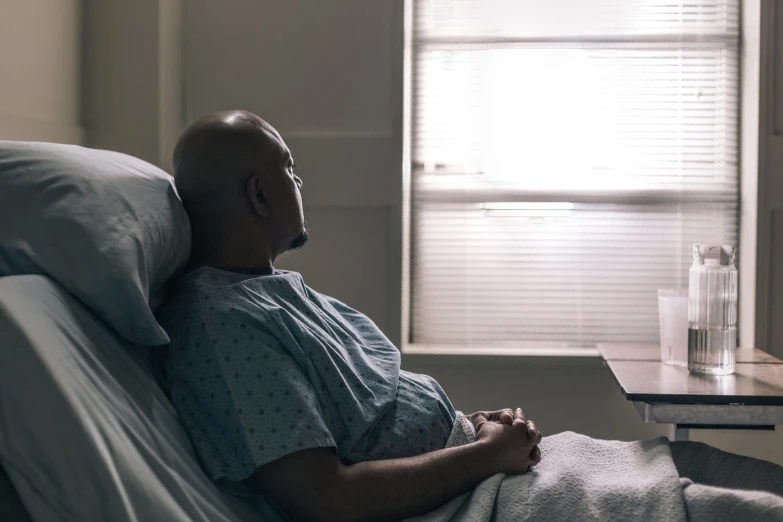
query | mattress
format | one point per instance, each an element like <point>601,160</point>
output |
<point>85,432</point>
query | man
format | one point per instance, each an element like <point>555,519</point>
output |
<point>288,392</point>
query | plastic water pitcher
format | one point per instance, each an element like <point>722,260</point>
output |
<point>712,310</point>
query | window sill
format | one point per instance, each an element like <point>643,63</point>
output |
<point>538,351</point>
<point>500,356</point>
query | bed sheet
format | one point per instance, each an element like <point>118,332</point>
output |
<point>85,432</point>
<point>11,507</point>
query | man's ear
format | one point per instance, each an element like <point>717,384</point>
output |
<point>256,195</point>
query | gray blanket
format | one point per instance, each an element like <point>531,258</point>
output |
<point>580,478</point>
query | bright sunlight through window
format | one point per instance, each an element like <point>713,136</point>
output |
<point>565,156</point>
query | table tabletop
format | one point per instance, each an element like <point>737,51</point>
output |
<point>758,379</point>
<point>652,352</point>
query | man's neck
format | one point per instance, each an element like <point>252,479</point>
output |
<point>238,259</point>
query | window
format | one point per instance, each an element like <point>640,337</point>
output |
<point>566,154</point>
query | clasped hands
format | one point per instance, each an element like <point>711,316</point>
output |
<point>514,438</point>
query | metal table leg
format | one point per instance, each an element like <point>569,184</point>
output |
<point>676,433</point>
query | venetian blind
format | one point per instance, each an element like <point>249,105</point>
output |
<point>566,155</point>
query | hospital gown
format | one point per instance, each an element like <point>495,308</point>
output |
<point>260,366</point>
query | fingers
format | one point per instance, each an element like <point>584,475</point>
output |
<point>535,455</point>
<point>532,432</point>
<point>506,417</point>
<point>535,458</point>
<point>478,417</point>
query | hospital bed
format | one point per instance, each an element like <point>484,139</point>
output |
<point>87,433</point>
<point>89,241</point>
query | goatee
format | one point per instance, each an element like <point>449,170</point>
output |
<point>300,240</point>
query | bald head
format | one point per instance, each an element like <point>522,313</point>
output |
<point>234,174</point>
<point>216,151</point>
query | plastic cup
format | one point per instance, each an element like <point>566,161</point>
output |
<point>673,321</point>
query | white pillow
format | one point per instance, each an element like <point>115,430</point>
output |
<point>86,433</point>
<point>108,227</point>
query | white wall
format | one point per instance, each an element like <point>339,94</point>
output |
<point>40,69</point>
<point>769,251</point>
<point>133,77</point>
<point>328,75</point>
<point>322,73</point>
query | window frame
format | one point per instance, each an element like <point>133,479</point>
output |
<point>751,102</point>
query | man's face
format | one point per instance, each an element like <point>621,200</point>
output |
<point>285,199</point>
<point>301,225</point>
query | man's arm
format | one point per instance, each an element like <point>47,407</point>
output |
<point>314,485</point>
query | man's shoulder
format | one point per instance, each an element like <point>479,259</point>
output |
<point>208,300</point>
<point>193,297</point>
<point>205,316</point>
